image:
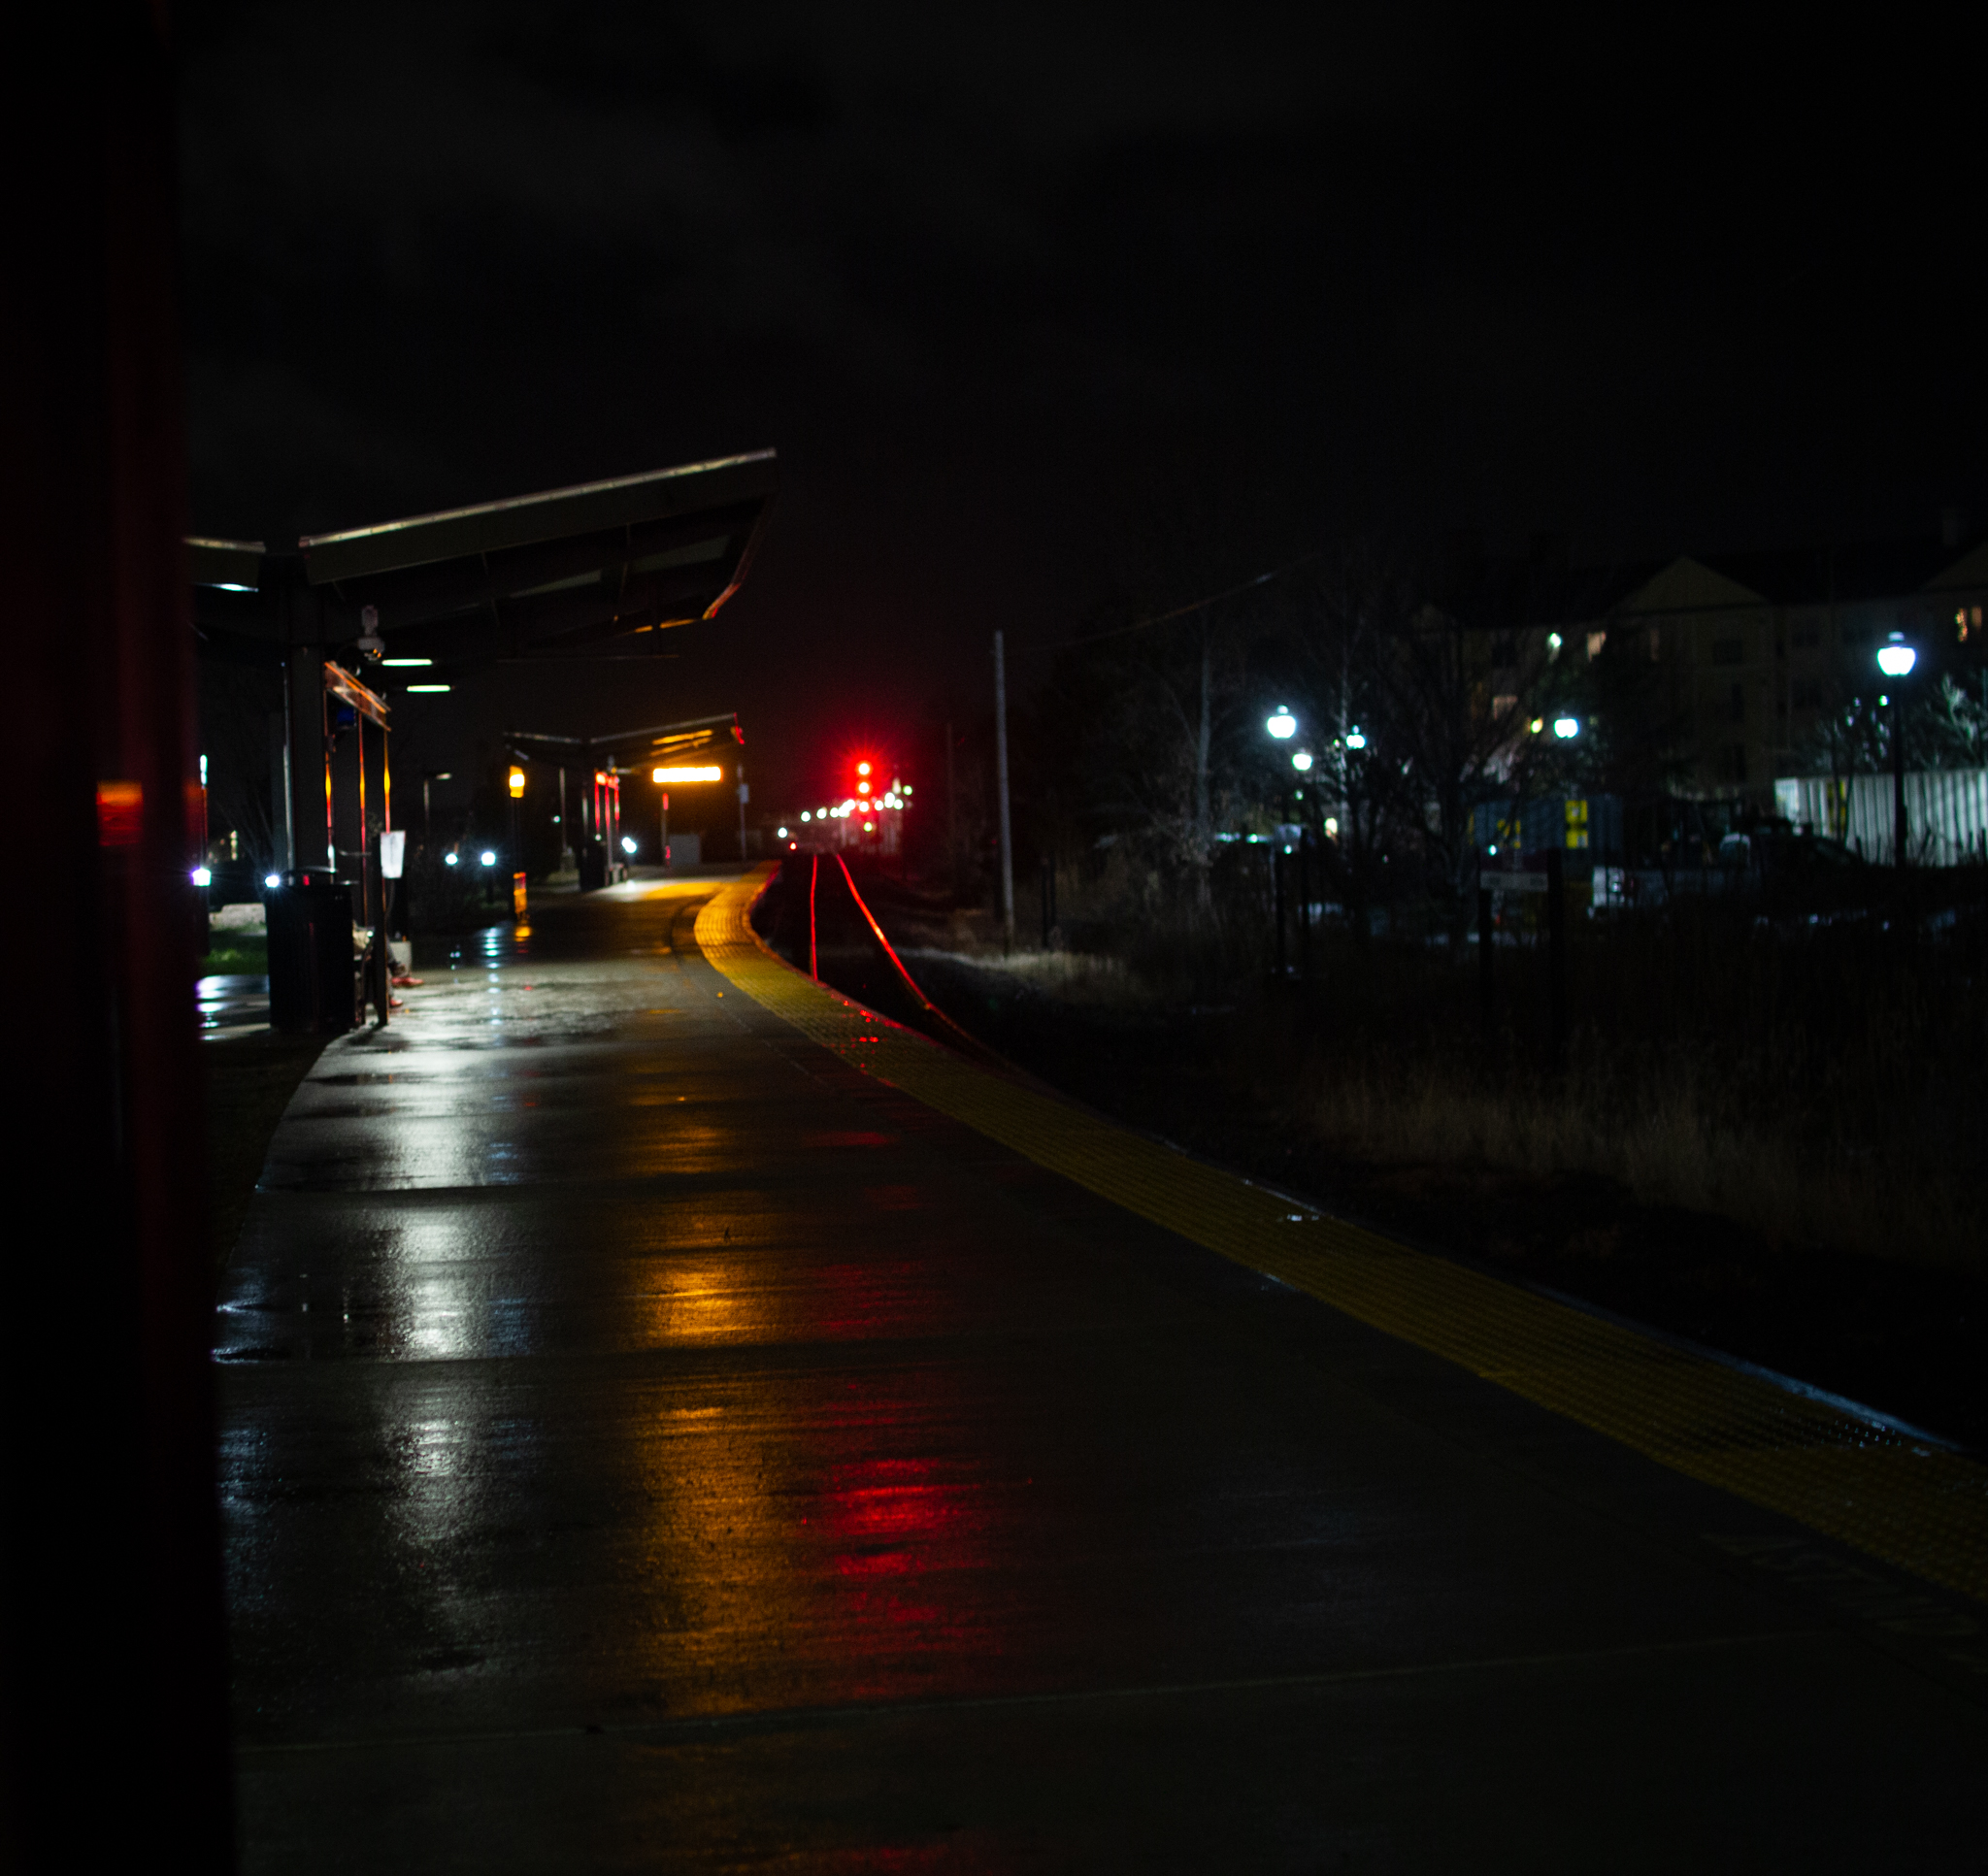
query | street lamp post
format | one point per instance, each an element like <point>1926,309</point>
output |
<point>1896,660</point>
<point>1281,726</point>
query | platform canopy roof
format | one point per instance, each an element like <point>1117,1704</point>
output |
<point>632,750</point>
<point>597,569</point>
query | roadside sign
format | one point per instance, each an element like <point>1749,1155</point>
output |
<point>1511,882</point>
<point>392,851</point>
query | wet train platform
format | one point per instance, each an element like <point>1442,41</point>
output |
<point>650,1438</point>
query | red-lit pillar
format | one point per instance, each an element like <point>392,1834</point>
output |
<point>110,1619</point>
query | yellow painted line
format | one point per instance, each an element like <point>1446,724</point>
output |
<point>1896,1497</point>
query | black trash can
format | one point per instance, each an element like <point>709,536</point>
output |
<point>313,981</point>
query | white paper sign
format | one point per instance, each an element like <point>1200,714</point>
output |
<point>392,851</point>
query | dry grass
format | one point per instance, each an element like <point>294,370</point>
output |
<point>1666,1142</point>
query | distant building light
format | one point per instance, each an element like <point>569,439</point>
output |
<point>1332,826</point>
<point>270,881</point>
<point>1301,760</point>
<point>782,833</point>
<point>1565,727</point>
<point>201,877</point>
<point>868,827</point>
<point>516,783</point>
<point>805,817</point>
<point>488,858</point>
<point>1355,739</point>
<point>449,860</point>
<point>1538,724</point>
<point>1552,641</point>
<point>627,844</point>
<point>708,773</point>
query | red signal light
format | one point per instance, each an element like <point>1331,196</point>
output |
<point>862,768</point>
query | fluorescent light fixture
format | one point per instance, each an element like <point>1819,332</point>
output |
<point>428,688</point>
<point>710,773</point>
<point>403,663</point>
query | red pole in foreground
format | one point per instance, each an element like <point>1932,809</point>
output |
<point>111,1608</point>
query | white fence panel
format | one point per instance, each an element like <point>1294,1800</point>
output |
<point>1946,813</point>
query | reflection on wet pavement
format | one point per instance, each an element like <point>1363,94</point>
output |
<point>231,1006</point>
<point>648,1443</point>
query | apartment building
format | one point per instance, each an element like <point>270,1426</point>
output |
<point>1752,650</point>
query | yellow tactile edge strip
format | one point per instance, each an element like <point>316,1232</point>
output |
<point>1911,1503</point>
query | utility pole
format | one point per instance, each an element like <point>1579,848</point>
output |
<point>1001,783</point>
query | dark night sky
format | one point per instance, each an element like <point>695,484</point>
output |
<point>1012,287</point>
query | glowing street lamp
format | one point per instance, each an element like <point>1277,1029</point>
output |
<point>1301,760</point>
<point>1567,728</point>
<point>1282,724</point>
<point>1895,659</point>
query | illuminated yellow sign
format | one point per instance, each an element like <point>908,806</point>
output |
<point>516,783</point>
<point>662,775</point>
